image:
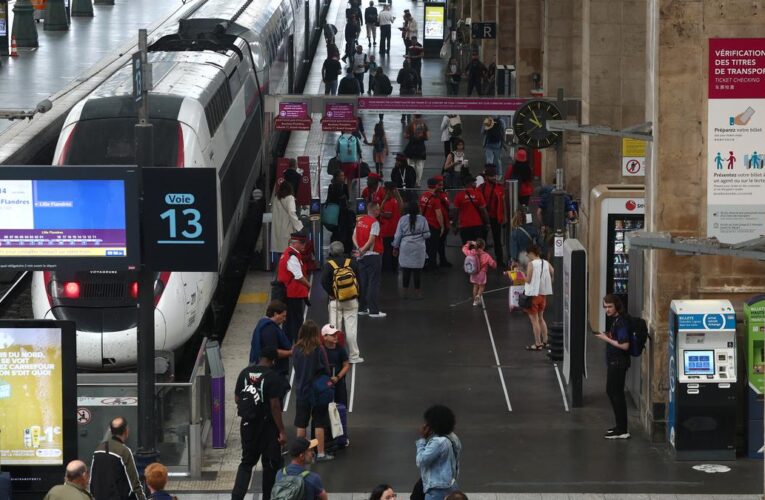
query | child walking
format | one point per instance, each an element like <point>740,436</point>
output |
<point>483,262</point>
<point>379,147</point>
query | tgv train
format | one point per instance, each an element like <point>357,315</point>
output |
<point>210,75</point>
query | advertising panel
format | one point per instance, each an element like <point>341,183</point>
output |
<point>434,22</point>
<point>437,105</point>
<point>33,375</point>
<point>736,139</point>
<point>82,217</point>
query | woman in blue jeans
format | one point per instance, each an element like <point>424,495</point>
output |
<point>438,453</point>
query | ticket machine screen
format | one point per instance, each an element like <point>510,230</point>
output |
<point>699,363</point>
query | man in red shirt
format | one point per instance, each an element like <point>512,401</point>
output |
<point>494,195</point>
<point>444,197</point>
<point>366,238</point>
<point>431,209</point>
<point>291,272</point>
<point>374,191</point>
<point>472,212</point>
<point>390,212</point>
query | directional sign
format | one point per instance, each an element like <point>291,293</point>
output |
<point>484,31</point>
<point>137,78</point>
<point>180,219</point>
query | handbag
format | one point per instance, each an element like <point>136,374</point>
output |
<point>446,50</point>
<point>333,166</point>
<point>524,301</point>
<point>418,492</point>
<point>336,425</point>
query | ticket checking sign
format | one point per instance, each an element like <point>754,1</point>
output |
<point>180,219</point>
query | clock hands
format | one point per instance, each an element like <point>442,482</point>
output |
<point>535,120</point>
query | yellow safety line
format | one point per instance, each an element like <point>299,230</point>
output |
<point>253,298</point>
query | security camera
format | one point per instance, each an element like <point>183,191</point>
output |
<point>44,106</point>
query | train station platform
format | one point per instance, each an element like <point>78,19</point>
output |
<point>520,440</point>
<point>66,59</point>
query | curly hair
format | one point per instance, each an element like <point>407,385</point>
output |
<point>440,419</point>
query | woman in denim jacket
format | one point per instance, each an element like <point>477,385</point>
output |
<point>438,453</point>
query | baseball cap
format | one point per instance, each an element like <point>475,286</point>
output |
<point>374,175</point>
<point>432,182</point>
<point>301,445</point>
<point>328,329</point>
<point>439,178</point>
<point>521,155</point>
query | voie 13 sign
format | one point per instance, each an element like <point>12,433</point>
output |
<point>180,219</point>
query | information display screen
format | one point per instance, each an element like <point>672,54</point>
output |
<point>434,22</point>
<point>85,216</point>
<point>699,362</point>
<point>35,381</point>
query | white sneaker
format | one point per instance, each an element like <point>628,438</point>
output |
<point>475,302</point>
<point>354,361</point>
<point>363,312</point>
<point>378,314</point>
<point>618,435</point>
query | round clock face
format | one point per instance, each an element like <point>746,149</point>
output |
<point>530,124</point>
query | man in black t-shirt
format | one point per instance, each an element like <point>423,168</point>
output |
<point>330,71</point>
<point>339,363</point>
<point>258,394</point>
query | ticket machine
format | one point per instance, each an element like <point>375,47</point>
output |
<point>702,380</point>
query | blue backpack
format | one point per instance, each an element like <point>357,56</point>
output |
<point>348,149</point>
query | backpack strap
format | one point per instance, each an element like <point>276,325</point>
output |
<point>347,263</point>
<point>304,474</point>
<point>333,264</point>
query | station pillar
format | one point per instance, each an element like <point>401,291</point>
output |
<point>56,18</point>
<point>82,8</point>
<point>24,29</point>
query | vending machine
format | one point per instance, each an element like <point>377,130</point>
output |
<point>615,210</point>
<point>754,319</point>
<point>701,424</point>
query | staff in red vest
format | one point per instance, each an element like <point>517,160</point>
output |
<point>494,195</point>
<point>369,243</point>
<point>292,273</point>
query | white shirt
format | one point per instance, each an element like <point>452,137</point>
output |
<point>385,18</point>
<point>541,283</point>
<point>358,62</point>
<point>293,266</point>
<point>411,28</point>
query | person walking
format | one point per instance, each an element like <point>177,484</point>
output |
<point>310,361</point>
<point>431,208</point>
<point>360,64</point>
<point>338,194</point>
<point>417,134</point>
<point>343,311</point>
<point>367,240</point>
<point>113,473</point>
<point>539,276</point>
<point>301,452</point>
<point>379,145</point>
<point>385,19</point>
<point>372,68</point>
<point>330,72</point>
<point>391,208</point>
<point>349,85</point>
<point>475,73</point>
<point>371,19</point>
<point>414,53</point>
<point>453,77</point>
<point>269,332</point>
<point>455,165</point>
<point>156,480</point>
<point>472,212</point>
<point>494,195</point>
<point>75,487</point>
<point>618,362</point>
<point>258,394</point>
<point>349,152</point>
<point>438,453</point>
<point>285,220</point>
<point>520,171</point>
<point>492,133</point>
<point>291,272</point>
<point>403,174</point>
<point>482,262</point>
<point>410,244</point>
<point>381,86</point>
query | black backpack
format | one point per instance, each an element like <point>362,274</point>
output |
<point>385,86</point>
<point>638,335</point>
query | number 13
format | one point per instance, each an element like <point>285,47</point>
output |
<point>192,221</point>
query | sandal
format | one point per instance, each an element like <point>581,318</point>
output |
<point>545,345</point>
<point>536,347</point>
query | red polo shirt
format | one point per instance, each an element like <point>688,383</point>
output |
<point>468,202</point>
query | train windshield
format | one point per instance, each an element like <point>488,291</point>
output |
<point>111,141</point>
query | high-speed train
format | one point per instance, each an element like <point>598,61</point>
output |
<point>210,75</point>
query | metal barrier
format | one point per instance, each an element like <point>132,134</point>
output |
<point>183,411</point>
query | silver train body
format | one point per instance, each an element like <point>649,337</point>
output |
<point>210,75</point>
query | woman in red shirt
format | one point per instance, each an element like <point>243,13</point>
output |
<point>472,212</point>
<point>391,207</point>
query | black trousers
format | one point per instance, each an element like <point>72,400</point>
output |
<point>431,246</point>
<point>407,274</point>
<point>474,84</point>
<point>259,439</point>
<point>471,233</point>
<point>294,318</point>
<point>389,263</point>
<point>496,234</point>
<point>385,39</point>
<point>616,375</point>
<point>442,248</point>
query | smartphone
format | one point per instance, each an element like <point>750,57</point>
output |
<point>315,207</point>
<point>361,206</point>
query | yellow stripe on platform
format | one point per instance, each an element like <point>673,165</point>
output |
<point>253,298</point>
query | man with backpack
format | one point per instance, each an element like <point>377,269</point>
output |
<point>348,85</point>
<point>339,278</point>
<point>294,482</point>
<point>113,473</point>
<point>348,152</point>
<point>258,394</point>
<point>618,362</point>
<point>493,132</point>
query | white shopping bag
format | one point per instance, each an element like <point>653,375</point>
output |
<point>515,292</point>
<point>334,419</point>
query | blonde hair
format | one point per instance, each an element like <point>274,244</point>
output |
<point>309,337</point>
<point>519,218</point>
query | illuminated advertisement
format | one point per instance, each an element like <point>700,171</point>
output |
<point>82,217</point>
<point>434,22</point>
<point>31,396</point>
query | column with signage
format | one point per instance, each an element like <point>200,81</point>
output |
<point>735,162</point>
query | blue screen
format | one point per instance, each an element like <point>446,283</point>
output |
<point>699,362</point>
<point>79,204</point>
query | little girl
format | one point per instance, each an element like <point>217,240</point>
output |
<point>379,147</point>
<point>478,278</point>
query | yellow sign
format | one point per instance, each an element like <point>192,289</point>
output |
<point>633,148</point>
<point>31,419</point>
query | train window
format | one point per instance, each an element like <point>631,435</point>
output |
<point>111,141</point>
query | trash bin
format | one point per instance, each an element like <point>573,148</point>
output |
<point>217,393</point>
